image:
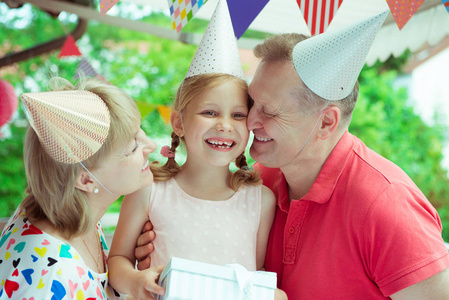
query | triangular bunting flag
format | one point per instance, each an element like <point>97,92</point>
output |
<point>318,14</point>
<point>69,48</point>
<point>243,14</point>
<point>182,11</point>
<point>85,68</point>
<point>402,11</point>
<point>145,108</point>
<point>106,5</point>
<point>165,112</point>
<point>446,4</point>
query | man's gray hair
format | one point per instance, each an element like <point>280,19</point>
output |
<point>279,48</point>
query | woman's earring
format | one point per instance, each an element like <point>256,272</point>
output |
<point>96,190</point>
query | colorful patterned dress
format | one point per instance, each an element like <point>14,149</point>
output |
<point>35,265</point>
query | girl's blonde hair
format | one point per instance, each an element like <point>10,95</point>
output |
<point>51,192</point>
<point>190,89</point>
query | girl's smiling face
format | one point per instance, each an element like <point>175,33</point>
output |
<point>214,124</point>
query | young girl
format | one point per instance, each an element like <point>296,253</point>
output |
<point>200,211</point>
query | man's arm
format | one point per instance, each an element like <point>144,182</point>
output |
<point>435,287</point>
<point>145,246</point>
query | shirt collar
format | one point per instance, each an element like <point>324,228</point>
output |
<point>282,196</point>
<point>325,183</point>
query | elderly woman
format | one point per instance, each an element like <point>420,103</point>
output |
<point>83,150</point>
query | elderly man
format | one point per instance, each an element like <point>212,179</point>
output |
<point>349,224</point>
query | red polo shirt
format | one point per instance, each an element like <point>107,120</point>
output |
<point>363,231</point>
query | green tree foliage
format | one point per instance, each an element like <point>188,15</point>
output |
<point>12,171</point>
<point>150,70</point>
<point>384,120</point>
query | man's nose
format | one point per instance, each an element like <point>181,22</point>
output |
<point>253,120</point>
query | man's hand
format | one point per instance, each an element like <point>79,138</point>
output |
<point>280,295</point>
<point>145,246</point>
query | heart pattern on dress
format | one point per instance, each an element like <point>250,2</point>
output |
<point>72,288</point>
<point>10,287</point>
<point>27,275</point>
<point>19,247</point>
<point>29,252</point>
<point>11,242</point>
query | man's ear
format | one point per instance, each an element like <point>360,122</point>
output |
<point>329,122</point>
<point>85,183</point>
<point>176,123</point>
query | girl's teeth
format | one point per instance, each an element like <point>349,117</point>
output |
<point>222,145</point>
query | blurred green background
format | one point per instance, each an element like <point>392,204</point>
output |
<point>150,69</point>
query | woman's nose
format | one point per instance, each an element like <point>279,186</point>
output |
<point>150,145</point>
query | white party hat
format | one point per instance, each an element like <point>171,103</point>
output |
<point>71,125</point>
<point>217,52</point>
<point>330,63</point>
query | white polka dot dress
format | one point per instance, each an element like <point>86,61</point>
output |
<point>217,232</point>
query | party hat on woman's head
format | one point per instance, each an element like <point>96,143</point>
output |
<point>71,125</point>
<point>330,63</point>
<point>217,52</point>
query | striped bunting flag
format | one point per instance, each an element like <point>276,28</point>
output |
<point>85,68</point>
<point>318,14</point>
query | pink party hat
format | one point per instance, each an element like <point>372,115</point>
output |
<point>330,63</point>
<point>217,52</point>
<point>71,125</point>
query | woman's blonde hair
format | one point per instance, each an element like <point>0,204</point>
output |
<point>190,89</point>
<point>51,192</point>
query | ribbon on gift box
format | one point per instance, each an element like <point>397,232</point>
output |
<point>245,279</point>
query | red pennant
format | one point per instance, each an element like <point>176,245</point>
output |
<point>318,14</point>
<point>402,11</point>
<point>69,48</point>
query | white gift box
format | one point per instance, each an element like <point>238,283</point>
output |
<point>191,280</point>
